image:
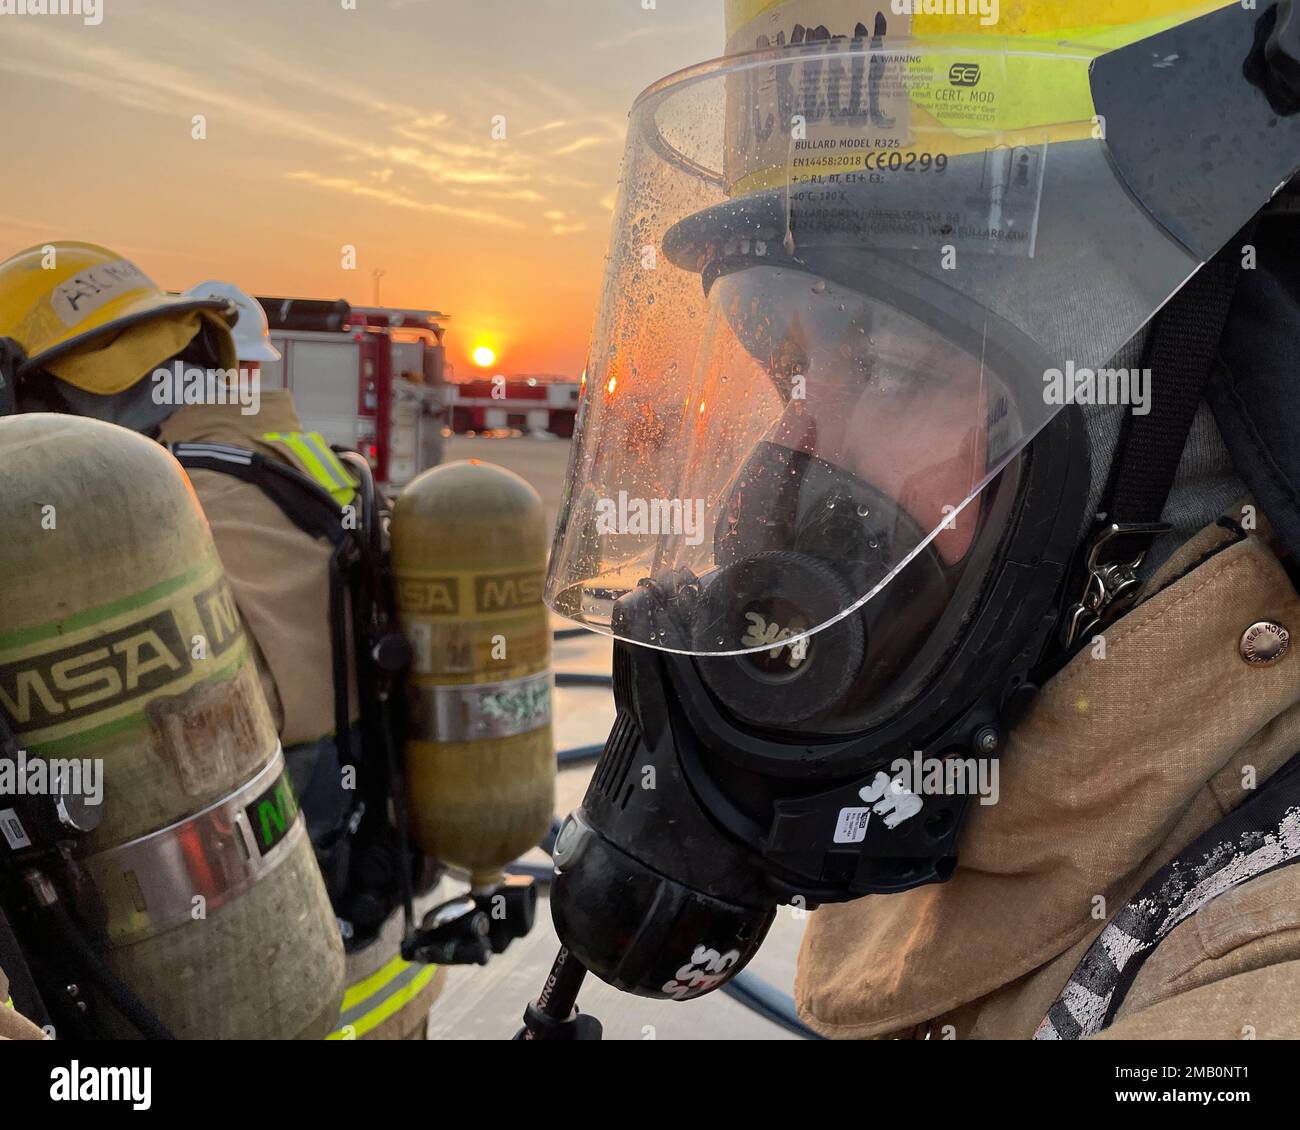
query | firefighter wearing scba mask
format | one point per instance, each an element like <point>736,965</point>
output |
<point>185,371</point>
<point>976,344</point>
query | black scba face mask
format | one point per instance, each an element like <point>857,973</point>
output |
<point>857,401</point>
<point>832,639</point>
<point>773,771</point>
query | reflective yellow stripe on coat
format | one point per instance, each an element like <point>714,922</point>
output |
<point>370,1002</point>
<point>311,450</point>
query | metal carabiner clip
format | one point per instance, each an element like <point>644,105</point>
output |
<point>1112,586</point>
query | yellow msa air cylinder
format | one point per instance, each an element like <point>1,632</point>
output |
<point>121,650</point>
<point>469,554</point>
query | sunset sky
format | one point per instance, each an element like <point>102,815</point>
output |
<point>327,127</point>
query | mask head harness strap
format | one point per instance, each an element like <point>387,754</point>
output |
<point>1180,354</point>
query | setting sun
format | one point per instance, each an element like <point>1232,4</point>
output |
<point>483,356</point>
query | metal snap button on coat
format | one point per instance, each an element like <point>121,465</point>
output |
<point>1264,643</point>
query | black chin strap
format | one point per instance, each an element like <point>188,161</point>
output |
<point>1180,354</point>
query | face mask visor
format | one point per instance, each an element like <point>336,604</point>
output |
<point>824,439</point>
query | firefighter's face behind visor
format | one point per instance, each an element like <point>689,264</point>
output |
<point>813,496</point>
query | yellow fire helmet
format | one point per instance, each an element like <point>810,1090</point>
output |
<point>93,318</point>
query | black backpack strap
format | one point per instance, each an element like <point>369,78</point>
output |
<point>1257,838</point>
<point>311,508</point>
<point>1181,354</point>
<point>307,504</point>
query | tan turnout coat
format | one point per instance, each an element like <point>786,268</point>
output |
<point>1122,762</point>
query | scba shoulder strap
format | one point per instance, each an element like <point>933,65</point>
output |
<point>1255,839</point>
<point>306,503</point>
<point>1180,354</point>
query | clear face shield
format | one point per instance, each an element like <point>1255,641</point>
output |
<point>847,286</point>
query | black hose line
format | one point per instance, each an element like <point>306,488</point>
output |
<point>118,993</point>
<point>758,996</point>
<point>573,679</point>
<point>569,757</point>
<point>548,844</point>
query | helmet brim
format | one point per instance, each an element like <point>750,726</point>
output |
<point>148,309</point>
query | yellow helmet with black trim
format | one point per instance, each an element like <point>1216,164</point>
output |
<point>94,319</point>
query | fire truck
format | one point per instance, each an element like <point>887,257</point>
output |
<point>529,404</point>
<point>366,377</point>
